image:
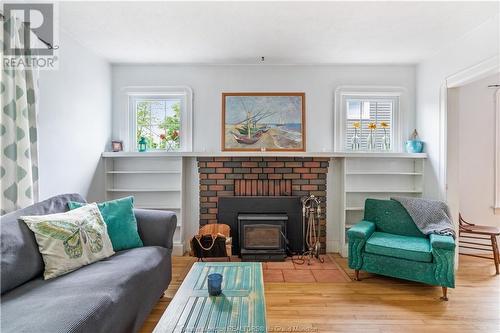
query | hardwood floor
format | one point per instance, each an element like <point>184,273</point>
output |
<point>375,304</point>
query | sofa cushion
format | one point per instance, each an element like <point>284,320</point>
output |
<point>112,295</point>
<point>20,259</point>
<point>404,247</point>
<point>120,220</point>
<point>70,240</point>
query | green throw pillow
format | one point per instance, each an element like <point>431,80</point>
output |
<point>120,220</point>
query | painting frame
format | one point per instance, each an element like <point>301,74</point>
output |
<point>264,94</point>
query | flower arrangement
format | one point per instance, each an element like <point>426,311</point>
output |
<point>386,143</point>
<point>169,141</point>
<point>355,139</point>
<point>370,141</point>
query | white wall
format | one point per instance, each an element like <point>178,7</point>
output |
<point>475,47</point>
<point>74,122</point>
<point>476,150</point>
<point>208,82</point>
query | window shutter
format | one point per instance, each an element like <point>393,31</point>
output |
<point>380,110</point>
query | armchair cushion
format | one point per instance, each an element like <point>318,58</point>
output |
<point>404,247</point>
<point>391,217</point>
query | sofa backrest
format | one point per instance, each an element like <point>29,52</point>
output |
<point>20,259</point>
<point>391,217</point>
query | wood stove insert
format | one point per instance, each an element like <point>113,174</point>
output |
<point>262,236</point>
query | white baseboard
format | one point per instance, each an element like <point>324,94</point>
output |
<point>178,249</point>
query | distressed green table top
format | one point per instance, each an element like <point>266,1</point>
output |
<point>240,308</point>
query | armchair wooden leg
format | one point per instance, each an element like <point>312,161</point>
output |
<point>445,294</point>
<point>356,275</point>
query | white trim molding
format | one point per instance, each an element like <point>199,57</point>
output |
<point>497,153</point>
<point>483,69</point>
<point>127,120</point>
<point>400,116</point>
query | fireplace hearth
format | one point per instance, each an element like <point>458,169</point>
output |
<point>262,236</point>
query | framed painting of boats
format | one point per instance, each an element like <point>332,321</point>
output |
<point>263,122</point>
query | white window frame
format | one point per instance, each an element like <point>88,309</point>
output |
<point>399,112</point>
<point>131,94</point>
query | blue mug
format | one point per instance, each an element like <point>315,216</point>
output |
<point>214,284</point>
<point>414,146</point>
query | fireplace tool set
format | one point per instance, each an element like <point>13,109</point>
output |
<point>311,212</point>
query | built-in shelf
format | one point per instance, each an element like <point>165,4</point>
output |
<point>355,208</point>
<point>155,183</point>
<point>142,172</point>
<point>157,207</point>
<point>144,190</point>
<point>377,176</point>
<point>380,190</point>
<point>384,173</point>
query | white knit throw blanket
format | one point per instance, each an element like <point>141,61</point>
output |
<point>430,216</point>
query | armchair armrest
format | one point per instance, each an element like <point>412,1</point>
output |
<point>442,242</point>
<point>358,234</point>
<point>443,253</point>
<point>363,229</point>
<point>156,227</point>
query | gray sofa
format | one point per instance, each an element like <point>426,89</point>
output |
<point>112,295</point>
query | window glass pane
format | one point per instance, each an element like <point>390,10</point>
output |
<point>360,113</point>
<point>158,121</point>
<point>353,109</point>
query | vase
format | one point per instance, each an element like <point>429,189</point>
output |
<point>414,146</point>
<point>371,141</point>
<point>355,142</point>
<point>386,142</point>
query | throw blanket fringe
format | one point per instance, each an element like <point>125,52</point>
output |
<point>430,216</point>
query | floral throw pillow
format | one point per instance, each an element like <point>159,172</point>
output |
<point>68,241</point>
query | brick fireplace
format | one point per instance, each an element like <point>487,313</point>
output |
<point>261,176</point>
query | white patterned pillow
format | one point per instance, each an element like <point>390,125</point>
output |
<point>68,241</point>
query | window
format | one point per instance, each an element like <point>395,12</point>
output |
<point>384,107</point>
<point>360,113</point>
<point>160,117</point>
<point>157,119</point>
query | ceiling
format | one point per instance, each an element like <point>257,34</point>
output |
<point>283,32</point>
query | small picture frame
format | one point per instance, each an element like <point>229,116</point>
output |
<point>116,145</point>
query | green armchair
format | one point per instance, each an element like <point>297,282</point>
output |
<point>388,242</point>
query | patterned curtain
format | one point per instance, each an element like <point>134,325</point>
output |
<point>19,156</point>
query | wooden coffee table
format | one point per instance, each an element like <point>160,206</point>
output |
<point>240,308</point>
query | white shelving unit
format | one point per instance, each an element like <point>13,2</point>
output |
<point>155,182</point>
<point>378,178</point>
